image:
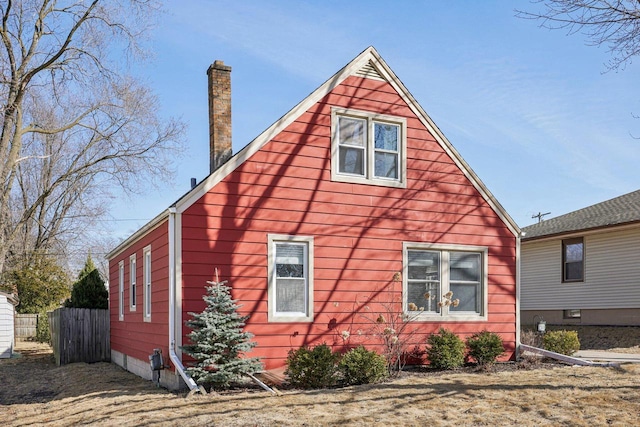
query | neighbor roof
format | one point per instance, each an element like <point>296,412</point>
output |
<point>621,210</point>
<point>13,299</point>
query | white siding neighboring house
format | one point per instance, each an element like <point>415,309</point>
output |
<point>7,312</point>
<point>584,267</point>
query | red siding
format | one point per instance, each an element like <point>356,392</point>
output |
<point>286,188</point>
<point>133,336</point>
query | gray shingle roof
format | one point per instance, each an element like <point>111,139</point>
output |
<point>620,210</point>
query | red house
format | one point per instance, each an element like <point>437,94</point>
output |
<point>352,203</point>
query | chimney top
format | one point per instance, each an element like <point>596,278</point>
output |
<point>219,65</point>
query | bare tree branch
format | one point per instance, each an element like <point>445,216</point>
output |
<point>74,123</point>
<point>611,23</point>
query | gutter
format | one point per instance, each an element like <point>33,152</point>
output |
<point>173,356</point>
<point>138,234</point>
<point>519,237</point>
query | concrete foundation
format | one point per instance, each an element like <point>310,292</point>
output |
<point>169,378</point>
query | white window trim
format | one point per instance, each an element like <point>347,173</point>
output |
<point>369,178</point>
<point>146,282</point>
<point>133,289</point>
<point>445,315</point>
<point>273,316</point>
<point>121,290</point>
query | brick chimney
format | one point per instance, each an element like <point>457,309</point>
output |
<point>219,114</point>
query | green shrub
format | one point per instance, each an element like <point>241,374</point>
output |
<point>312,368</point>
<point>485,347</point>
<point>563,342</point>
<point>445,350</point>
<point>362,366</point>
<point>43,334</point>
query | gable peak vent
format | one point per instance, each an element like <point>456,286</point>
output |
<point>369,71</point>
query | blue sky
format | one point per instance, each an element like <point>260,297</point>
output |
<point>532,111</point>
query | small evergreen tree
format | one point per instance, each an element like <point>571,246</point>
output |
<point>218,340</point>
<point>89,266</point>
<point>89,291</point>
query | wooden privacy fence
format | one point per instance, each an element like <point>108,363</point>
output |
<point>25,326</point>
<point>80,335</point>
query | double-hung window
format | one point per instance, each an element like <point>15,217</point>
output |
<point>121,290</point>
<point>368,148</point>
<point>146,256</point>
<point>290,261</point>
<point>573,260</point>
<point>132,282</point>
<point>446,282</point>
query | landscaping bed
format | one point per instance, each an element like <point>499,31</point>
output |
<point>35,391</point>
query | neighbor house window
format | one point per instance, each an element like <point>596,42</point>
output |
<point>445,282</point>
<point>121,290</point>
<point>368,148</point>
<point>573,260</point>
<point>290,291</point>
<point>146,256</point>
<point>132,282</point>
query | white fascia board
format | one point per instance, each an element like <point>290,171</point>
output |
<point>150,226</point>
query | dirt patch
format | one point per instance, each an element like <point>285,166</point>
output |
<point>36,392</point>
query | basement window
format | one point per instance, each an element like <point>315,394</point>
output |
<point>571,314</point>
<point>368,148</point>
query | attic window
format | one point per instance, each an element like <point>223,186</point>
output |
<point>368,148</point>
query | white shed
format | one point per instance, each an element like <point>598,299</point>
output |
<point>7,312</point>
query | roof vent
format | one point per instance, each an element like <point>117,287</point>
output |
<point>369,71</point>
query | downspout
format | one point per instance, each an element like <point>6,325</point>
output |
<point>177,363</point>
<point>519,236</point>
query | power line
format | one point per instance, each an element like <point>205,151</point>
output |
<point>122,219</point>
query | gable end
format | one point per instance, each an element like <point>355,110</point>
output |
<point>368,64</point>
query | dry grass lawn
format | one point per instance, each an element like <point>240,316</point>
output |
<point>35,392</point>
